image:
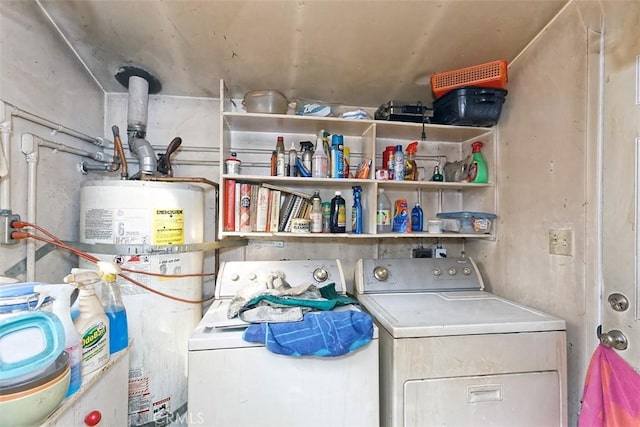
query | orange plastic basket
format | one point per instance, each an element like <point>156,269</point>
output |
<point>492,74</point>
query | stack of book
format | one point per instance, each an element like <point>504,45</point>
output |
<point>262,207</point>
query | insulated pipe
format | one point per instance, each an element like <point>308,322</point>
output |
<point>30,150</point>
<point>5,157</point>
<point>137,106</point>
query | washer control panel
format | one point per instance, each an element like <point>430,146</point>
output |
<point>234,276</point>
<point>416,275</point>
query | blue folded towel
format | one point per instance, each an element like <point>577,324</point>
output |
<point>326,334</point>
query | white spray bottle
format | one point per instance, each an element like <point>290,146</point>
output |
<point>92,324</point>
<point>61,307</point>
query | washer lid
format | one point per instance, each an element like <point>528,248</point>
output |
<point>412,315</point>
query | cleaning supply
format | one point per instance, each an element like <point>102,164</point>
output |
<point>401,217</point>
<point>416,218</point>
<point>478,167</point>
<point>337,156</point>
<point>306,149</point>
<point>383,213</point>
<point>61,307</point>
<point>319,161</point>
<point>338,222</point>
<point>92,323</point>
<point>398,164</point>
<point>280,158</point>
<point>316,213</point>
<point>356,211</point>
<point>111,298</point>
<point>411,167</point>
<point>293,157</point>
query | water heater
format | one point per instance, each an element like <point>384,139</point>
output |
<point>133,221</point>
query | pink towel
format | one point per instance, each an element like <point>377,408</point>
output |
<point>611,396</point>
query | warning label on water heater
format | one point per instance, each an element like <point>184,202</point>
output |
<point>168,226</point>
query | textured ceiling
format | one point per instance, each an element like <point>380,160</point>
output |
<point>348,52</point>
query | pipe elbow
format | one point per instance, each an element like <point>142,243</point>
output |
<point>146,155</point>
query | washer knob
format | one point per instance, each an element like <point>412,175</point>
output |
<point>320,274</point>
<point>235,277</point>
<point>252,276</point>
<point>437,271</point>
<point>466,271</point>
<point>381,273</point>
<point>452,271</point>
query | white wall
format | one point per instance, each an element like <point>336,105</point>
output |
<point>39,74</point>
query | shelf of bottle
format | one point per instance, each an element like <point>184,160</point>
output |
<point>333,182</point>
<point>413,234</point>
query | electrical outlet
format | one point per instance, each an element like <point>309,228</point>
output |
<point>6,219</point>
<point>561,241</point>
<point>422,253</point>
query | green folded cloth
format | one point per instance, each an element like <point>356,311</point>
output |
<point>330,299</point>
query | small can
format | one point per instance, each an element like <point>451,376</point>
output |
<point>300,225</point>
<point>326,217</point>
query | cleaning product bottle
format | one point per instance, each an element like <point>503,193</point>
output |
<point>306,147</point>
<point>92,324</point>
<point>437,176</point>
<point>383,213</point>
<point>356,211</point>
<point>411,167</point>
<point>280,158</point>
<point>478,167</point>
<point>319,161</point>
<point>416,218</point>
<point>61,307</point>
<point>338,220</point>
<point>316,213</point>
<point>293,157</point>
<point>111,298</point>
<point>337,156</point>
<point>398,164</point>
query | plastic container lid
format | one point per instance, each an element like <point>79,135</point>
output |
<point>466,214</point>
<point>16,368</point>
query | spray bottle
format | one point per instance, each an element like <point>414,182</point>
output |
<point>320,161</point>
<point>356,211</point>
<point>411,167</point>
<point>61,307</point>
<point>92,324</point>
<point>111,298</point>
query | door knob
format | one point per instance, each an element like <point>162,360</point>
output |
<point>618,302</point>
<point>614,338</point>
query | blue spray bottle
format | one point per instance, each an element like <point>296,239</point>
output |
<point>111,298</point>
<point>356,212</point>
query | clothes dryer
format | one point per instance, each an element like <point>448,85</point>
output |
<point>453,354</point>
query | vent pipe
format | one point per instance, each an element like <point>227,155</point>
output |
<point>140,84</point>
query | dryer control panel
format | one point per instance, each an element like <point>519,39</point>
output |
<point>416,275</point>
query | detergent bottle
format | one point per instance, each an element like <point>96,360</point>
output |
<point>92,324</point>
<point>111,297</point>
<point>61,307</point>
<point>478,167</point>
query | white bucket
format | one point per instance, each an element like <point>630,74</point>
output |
<point>154,213</point>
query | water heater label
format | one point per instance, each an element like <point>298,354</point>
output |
<point>168,226</point>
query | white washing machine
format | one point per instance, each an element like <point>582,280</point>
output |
<point>452,354</point>
<point>236,383</point>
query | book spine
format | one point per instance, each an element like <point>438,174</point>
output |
<point>229,205</point>
<point>245,208</point>
<point>262,209</point>
<point>274,209</point>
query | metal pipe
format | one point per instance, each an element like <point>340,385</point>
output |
<point>16,112</point>
<point>29,148</point>
<point>180,179</point>
<point>5,154</point>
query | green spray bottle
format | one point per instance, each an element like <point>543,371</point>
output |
<point>478,168</point>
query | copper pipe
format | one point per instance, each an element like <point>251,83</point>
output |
<point>118,150</point>
<point>201,180</point>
